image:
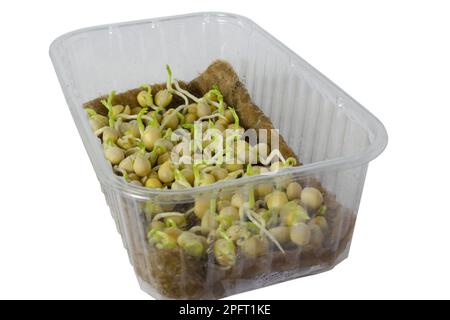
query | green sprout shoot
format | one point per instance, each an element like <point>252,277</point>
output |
<point>108,105</point>
<point>141,125</point>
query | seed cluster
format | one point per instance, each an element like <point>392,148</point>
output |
<point>139,141</point>
<point>270,216</point>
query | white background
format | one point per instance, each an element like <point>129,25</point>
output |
<point>57,239</point>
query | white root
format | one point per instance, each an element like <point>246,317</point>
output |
<point>263,230</point>
<point>212,116</point>
<point>100,131</point>
<point>167,214</point>
<point>185,92</point>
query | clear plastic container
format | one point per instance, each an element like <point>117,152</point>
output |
<point>333,135</point>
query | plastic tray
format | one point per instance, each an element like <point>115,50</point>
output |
<point>334,136</point>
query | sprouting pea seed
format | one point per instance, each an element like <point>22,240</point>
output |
<point>192,108</point>
<point>163,98</point>
<point>293,190</point>
<point>127,110</point>
<point>201,206</point>
<point>225,252</point>
<point>133,129</point>
<point>203,109</point>
<point>190,118</point>
<point>191,244</point>
<point>163,158</point>
<point>154,115</point>
<point>280,233</point>
<point>177,186</point>
<point>117,109</point>
<point>254,246</point>
<point>291,213</point>
<point>126,142</point>
<point>180,221</point>
<point>141,166</point>
<point>219,173</point>
<point>114,154</point>
<point>237,200</point>
<point>206,179</point>
<point>321,222</point>
<point>150,136</point>
<point>165,144</point>
<point>136,182</point>
<point>229,116</point>
<point>188,174</point>
<point>156,225</point>
<point>170,119</point>
<point>144,98</point>
<point>311,197</point>
<point>228,215</point>
<point>98,121</point>
<point>127,163</point>
<point>220,127</point>
<point>173,232</point>
<point>110,134</point>
<point>134,176</point>
<point>135,110</point>
<point>276,199</point>
<point>222,121</point>
<point>153,183</point>
<point>238,233</point>
<point>300,234</point>
<point>263,189</point>
<point>165,172</point>
<point>208,223</point>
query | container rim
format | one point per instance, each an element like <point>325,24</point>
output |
<point>106,176</point>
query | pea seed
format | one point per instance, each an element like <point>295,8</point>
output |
<point>110,134</point>
<point>150,136</point>
<point>311,197</point>
<point>153,183</point>
<point>141,166</point>
<point>165,172</point>
<point>254,247</point>
<point>237,200</point>
<point>203,109</point>
<point>163,158</point>
<point>276,199</point>
<point>114,154</point>
<point>219,173</point>
<point>192,109</point>
<point>188,174</point>
<point>293,190</point>
<point>300,234</point>
<point>191,244</point>
<point>163,98</point>
<point>208,223</point>
<point>225,252</point>
<point>228,215</point>
<point>281,234</point>
<point>201,206</point>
